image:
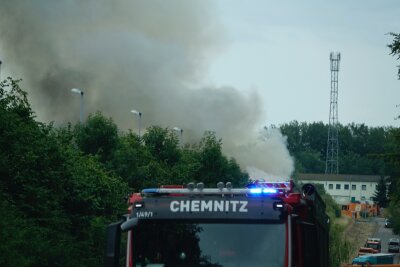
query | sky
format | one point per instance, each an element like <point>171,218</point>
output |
<point>226,66</point>
<point>282,48</point>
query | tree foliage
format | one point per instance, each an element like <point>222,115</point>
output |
<point>395,48</point>
<point>98,136</point>
<point>55,199</point>
<point>361,148</point>
<point>60,187</point>
<point>394,156</point>
<point>380,195</point>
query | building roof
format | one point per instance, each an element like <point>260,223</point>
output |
<point>339,177</point>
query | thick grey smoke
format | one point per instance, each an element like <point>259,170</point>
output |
<point>143,55</point>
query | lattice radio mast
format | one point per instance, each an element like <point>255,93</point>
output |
<point>332,150</point>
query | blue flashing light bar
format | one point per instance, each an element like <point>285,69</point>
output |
<point>270,191</point>
<point>269,187</point>
<point>259,190</point>
<point>252,190</point>
<point>150,190</point>
<point>255,190</point>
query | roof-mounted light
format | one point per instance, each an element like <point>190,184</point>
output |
<point>220,185</point>
<point>200,186</point>
<point>255,190</point>
<point>269,187</point>
<point>259,190</point>
<point>269,191</point>
<point>190,186</point>
<point>150,190</point>
<point>229,185</point>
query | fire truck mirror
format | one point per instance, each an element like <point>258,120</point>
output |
<point>129,224</point>
<point>308,189</point>
<point>113,239</point>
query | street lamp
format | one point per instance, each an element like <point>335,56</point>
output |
<point>179,130</point>
<point>139,115</point>
<point>78,91</point>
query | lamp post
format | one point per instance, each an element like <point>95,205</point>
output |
<point>181,134</point>
<point>78,91</point>
<point>139,114</point>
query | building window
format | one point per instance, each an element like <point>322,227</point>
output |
<point>346,187</point>
<point>353,187</point>
<point>362,198</point>
<point>363,187</point>
<point>337,186</point>
<point>330,186</point>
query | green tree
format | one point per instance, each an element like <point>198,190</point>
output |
<point>360,147</point>
<point>57,200</point>
<point>293,131</point>
<point>129,159</point>
<point>380,195</point>
<point>95,198</point>
<point>315,137</point>
<point>97,136</point>
<point>395,48</point>
<point>162,145</point>
<point>394,196</point>
<point>311,160</point>
<point>187,168</point>
<point>214,166</point>
<point>394,156</point>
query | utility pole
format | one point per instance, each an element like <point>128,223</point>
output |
<point>139,114</point>
<point>81,93</point>
<point>332,150</point>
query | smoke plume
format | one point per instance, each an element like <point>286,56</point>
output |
<point>127,54</point>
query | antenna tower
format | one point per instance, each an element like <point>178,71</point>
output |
<point>332,164</point>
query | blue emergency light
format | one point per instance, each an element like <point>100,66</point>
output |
<point>270,191</point>
<point>261,187</point>
<point>259,190</point>
<point>150,190</point>
<point>255,190</point>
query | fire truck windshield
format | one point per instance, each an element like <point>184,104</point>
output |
<point>173,244</point>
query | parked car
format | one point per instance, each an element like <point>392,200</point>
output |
<point>388,223</point>
<point>380,258</point>
<point>394,245</point>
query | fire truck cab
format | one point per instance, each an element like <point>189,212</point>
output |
<point>264,224</point>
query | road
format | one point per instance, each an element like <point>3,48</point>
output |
<point>385,234</point>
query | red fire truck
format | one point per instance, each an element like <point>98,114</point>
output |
<point>265,224</point>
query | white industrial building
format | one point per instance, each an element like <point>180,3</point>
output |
<point>344,188</point>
